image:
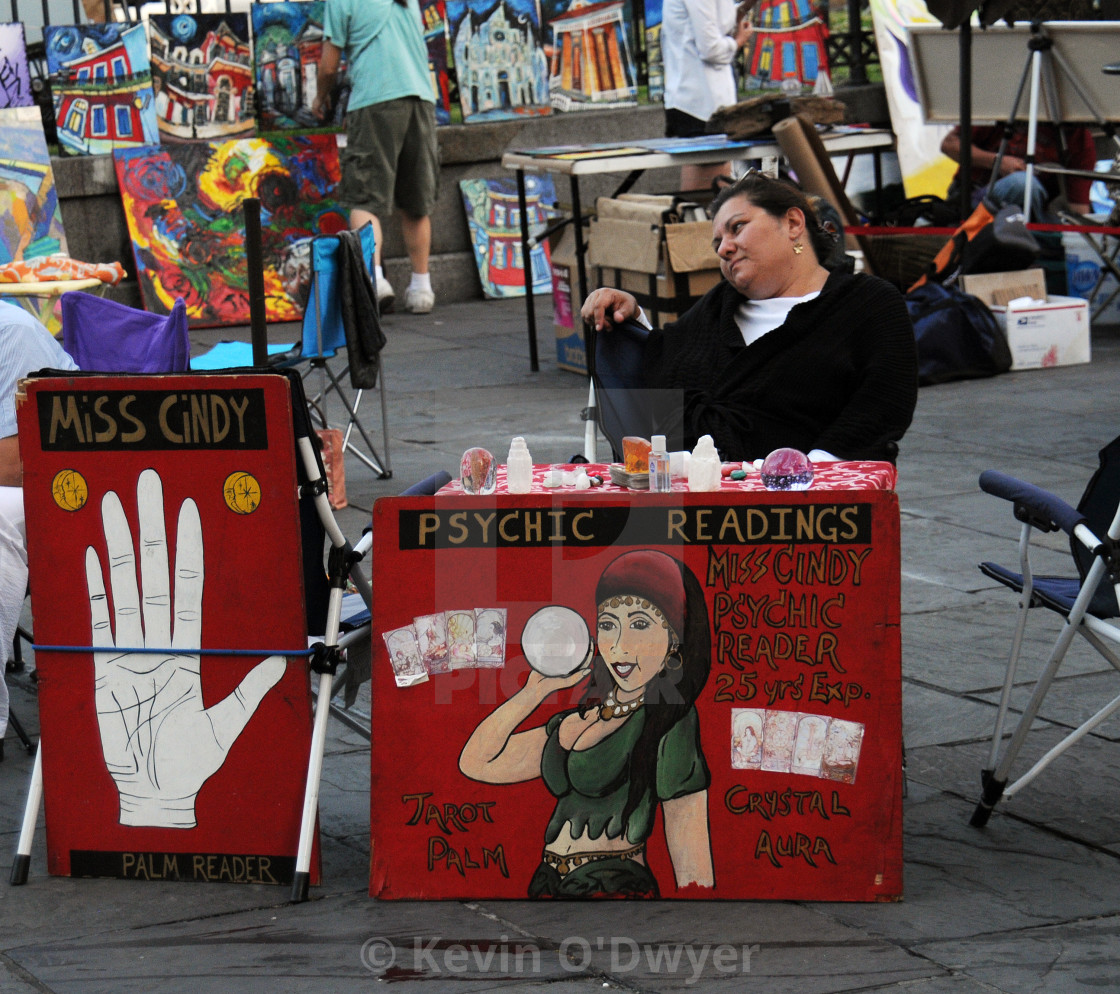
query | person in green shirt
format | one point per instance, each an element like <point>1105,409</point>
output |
<point>631,744</point>
<point>391,156</point>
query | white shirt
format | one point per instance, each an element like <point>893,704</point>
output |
<point>757,317</point>
<point>25,345</point>
<point>697,49</point>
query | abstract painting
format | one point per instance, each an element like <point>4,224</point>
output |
<point>101,82</point>
<point>287,40</point>
<point>434,16</point>
<point>30,221</point>
<point>202,76</point>
<point>494,220</point>
<point>15,75</point>
<point>592,49</point>
<point>499,58</point>
<point>184,204</point>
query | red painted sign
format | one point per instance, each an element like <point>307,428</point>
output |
<point>684,695</point>
<point>164,552</point>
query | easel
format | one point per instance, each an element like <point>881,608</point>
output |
<point>1040,70</point>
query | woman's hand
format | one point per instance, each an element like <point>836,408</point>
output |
<point>743,31</point>
<point>607,305</point>
<point>541,686</point>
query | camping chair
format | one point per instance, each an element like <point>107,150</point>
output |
<point>104,336</point>
<point>618,403</point>
<point>324,333</point>
<point>1084,599</point>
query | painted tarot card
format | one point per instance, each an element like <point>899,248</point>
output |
<point>461,653</point>
<point>404,656</point>
<point>778,733</point>
<point>490,636</point>
<point>808,744</point>
<point>431,636</point>
<point>841,750</point>
<point>746,738</point>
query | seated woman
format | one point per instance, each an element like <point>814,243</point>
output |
<point>782,352</point>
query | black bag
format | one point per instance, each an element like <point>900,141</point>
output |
<point>957,336</point>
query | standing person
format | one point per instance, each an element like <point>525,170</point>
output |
<point>1010,186</point>
<point>25,345</point>
<point>391,157</point>
<point>699,41</point>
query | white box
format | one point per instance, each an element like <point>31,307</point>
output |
<point>1055,333</point>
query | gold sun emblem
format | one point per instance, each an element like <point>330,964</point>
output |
<point>69,490</point>
<point>242,492</point>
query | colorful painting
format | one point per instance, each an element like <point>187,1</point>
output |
<point>591,62</point>
<point>925,170</point>
<point>494,219</point>
<point>101,82</point>
<point>184,207</point>
<point>434,15</point>
<point>202,76</point>
<point>655,68</point>
<point>15,75</point>
<point>30,221</point>
<point>499,58</point>
<point>789,43</point>
<point>287,40</point>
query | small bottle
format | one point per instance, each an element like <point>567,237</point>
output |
<point>660,482</point>
<point>519,467</point>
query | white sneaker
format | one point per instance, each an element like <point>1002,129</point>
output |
<point>419,301</point>
<point>385,295</point>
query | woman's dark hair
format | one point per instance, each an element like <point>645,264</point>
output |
<point>669,695</point>
<point>776,197</point>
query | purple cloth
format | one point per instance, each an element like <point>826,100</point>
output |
<point>103,336</point>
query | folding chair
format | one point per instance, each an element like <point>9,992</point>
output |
<point>618,403</point>
<point>1084,599</point>
<point>324,333</point>
<point>104,336</point>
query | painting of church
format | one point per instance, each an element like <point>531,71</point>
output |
<point>433,13</point>
<point>499,58</point>
<point>790,42</point>
<point>202,76</point>
<point>101,84</point>
<point>592,65</point>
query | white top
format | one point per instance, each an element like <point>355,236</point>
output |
<point>756,317</point>
<point>25,345</point>
<point>697,50</point>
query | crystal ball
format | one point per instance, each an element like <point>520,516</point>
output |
<point>477,471</point>
<point>555,640</point>
<point>787,469</point>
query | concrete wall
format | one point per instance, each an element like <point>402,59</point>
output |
<point>95,227</point>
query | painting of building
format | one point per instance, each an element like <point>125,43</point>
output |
<point>30,221</point>
<point>494,219</point>
<point>499,58</point>
<point>592,65</point>
<point>287,40</point>
<point>15,74</point>
<point>101,83</point>
<point>655,67</point>
<point>202,76</point>
<point>790,42</point>
<point>184,204</point>
<point>434,16</point>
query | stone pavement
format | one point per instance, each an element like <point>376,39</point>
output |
<point>1031,903</point>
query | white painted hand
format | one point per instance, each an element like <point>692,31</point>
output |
<point>161,744</point>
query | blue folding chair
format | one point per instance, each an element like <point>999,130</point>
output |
<point>1086,598</point>
<point>324,334</point>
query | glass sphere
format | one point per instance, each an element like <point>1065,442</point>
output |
<point>787,469</point>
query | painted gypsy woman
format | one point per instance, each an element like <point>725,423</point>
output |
<point>631,744</point>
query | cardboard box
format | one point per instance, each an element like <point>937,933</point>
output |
<point>571,352</point>
<point>638,246</point>
<point>1042,331</point>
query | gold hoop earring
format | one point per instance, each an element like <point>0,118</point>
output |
<point>674,653</point>
<point>798,248</point>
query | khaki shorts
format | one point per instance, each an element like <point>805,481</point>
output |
<point>391,158</point>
